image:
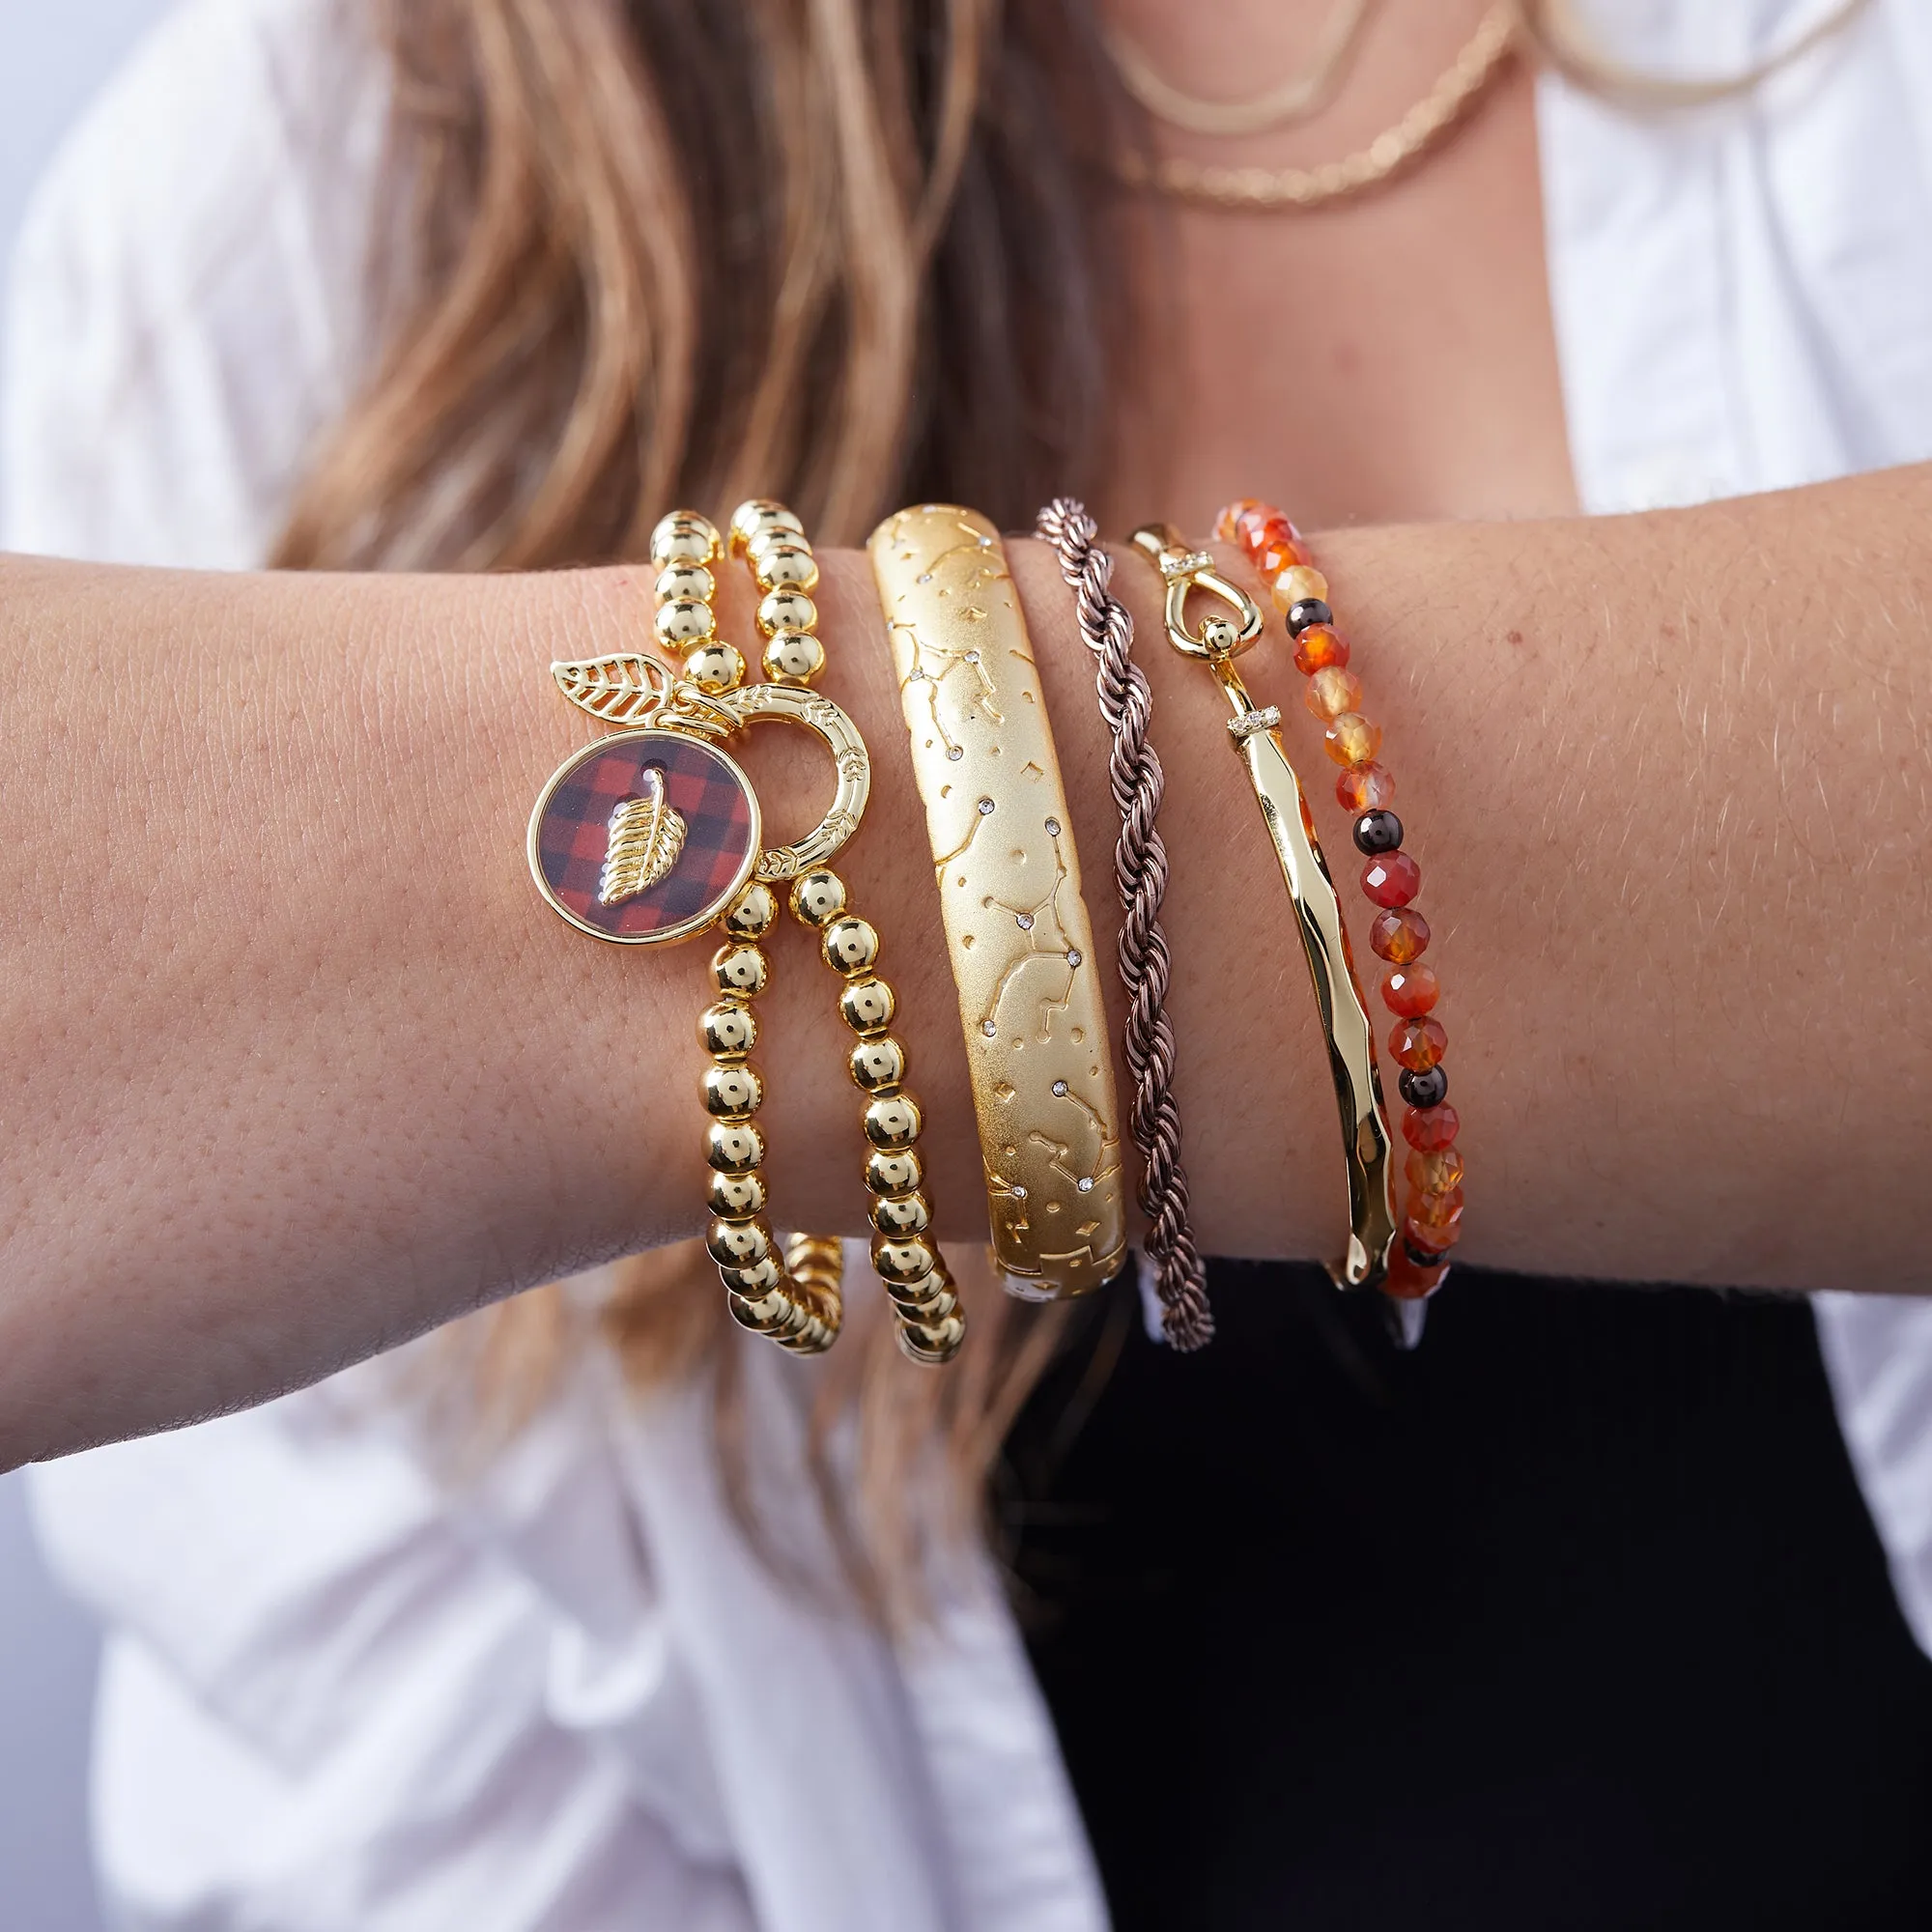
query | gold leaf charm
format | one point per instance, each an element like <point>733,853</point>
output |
<point>626,688</point>
<point>646,836</point>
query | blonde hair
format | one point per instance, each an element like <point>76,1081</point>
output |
<point>646,253</point>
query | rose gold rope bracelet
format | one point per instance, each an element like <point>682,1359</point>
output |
<point>1140,869</point>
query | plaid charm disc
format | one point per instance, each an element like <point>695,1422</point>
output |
<point>571,827</point>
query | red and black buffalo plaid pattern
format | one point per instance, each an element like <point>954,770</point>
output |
<point>575,831</point>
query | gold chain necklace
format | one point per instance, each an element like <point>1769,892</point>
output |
<point>1296,97</point>
<point>1461,85</point>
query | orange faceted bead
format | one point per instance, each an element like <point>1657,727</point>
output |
<point>1296,586</point>
<point>1333,692</point>
<point>1368,787</point>
<point>1280,553</point>
<point>1352,740</point>
<point>1399,935</point>
<point>1412,991</point>
<point>1228,525</point>
<point>1318,647</point>
<point>1433,1236</point>
<point>1419,1043</point>
<point>1430,1130</point>
<point>1434,1172</point>
<point>1435,1210</point>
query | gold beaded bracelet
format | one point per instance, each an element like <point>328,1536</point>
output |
<point>1020,942</point>
<point>652,836</point>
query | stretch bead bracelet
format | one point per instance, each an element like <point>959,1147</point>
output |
<point>1346,1029</point>
<point>1399,934</point>
<point>772,542</point>
<point>653,834</point>
<point>1140,871</point>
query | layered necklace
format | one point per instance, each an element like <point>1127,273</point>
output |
<point>1460,85</point>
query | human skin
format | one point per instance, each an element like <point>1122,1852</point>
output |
<point>296,1065</point>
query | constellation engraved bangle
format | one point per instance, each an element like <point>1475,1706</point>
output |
<point>1140,869</point>
<point>1324,940</point>
<point>1021,947</point>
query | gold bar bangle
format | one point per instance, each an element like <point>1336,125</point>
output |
<point>1021,945</point>
<point>1318,912</point>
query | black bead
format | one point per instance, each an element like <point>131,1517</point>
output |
<point>1422,1257</point>
<point>1377,833</point>
<point>1423,1090</point>
<point>1307,610</point>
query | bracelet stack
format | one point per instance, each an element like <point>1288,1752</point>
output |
<point>1398,934</point>
<point>654,835</point>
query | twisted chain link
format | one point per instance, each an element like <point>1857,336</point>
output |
<point>1140,867</point>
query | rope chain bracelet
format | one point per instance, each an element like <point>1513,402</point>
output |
<point>1140,868</point>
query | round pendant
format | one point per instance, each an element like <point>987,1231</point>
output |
<point>644,838</point>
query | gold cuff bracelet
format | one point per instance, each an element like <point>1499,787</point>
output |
<point>1022,948</point>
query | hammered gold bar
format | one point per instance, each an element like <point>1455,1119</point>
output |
<point>1022,948</point>
<point>1346,1029</point>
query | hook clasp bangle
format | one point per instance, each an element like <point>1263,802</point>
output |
<point>1183,570</point>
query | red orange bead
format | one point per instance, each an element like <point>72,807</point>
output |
<point>1419,1043</point>
<point>1430,1130</point>
<point>1330,693</point>
<point>1397,935</point>
<point>1278,554</point>
<point>1319,647</point>
<point>1392,880</point>
<point>1412,991</point>
<point>1352,739</point>
<point>1429,1234</point>
<point>1364,788</point>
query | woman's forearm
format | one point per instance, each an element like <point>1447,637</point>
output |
<point>296,1065</point>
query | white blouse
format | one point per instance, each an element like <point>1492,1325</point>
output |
<point>353,1682</point>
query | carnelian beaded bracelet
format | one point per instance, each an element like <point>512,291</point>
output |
<point>1433,1213</point>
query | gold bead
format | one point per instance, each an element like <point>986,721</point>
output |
<point>890,1171</point>
<point>877,1065</point>
<point>729,1029</point>
<point>732,1091</point>
<point>755,1279</point>
<point>793,657</point>
<point>784,566</point>
<point>867,1006</point>
<point>902,1259</point>
<point>740,969</point>
<point>902,1214</point>
<point>929,1298</point>
<point>683,622</point>
<point>893,1122</point>
<point>817,897</point>
<point>733,1146</point>
<point>755,517</point>
<point>738,1244</point>
<point>735,1197</point>
<point>714,667</point>
<point>850,945</point>
<point>690,582</point>
<point>683,537</point>
<point>932,1343</point>
<point>788,610</point>
<point>751,914</point>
